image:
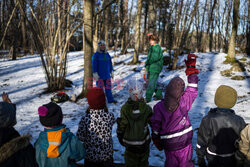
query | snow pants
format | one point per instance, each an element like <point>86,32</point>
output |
<point>136,159</point>
<point>152,87</point>
<point>108,88</point>
<point>179,158</point>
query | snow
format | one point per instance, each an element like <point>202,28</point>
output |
<point>24,80</point>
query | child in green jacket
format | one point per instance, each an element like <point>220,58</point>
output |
<point>154,66</point>
<point>132,131</point>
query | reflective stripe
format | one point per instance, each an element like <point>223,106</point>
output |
<point>155,132</point>
<point>136,142</point>
<point>177,134</point>
<point>136,112</point>
<point>55,143</point>
<point>198,146</point>
<point>220,155</point>
<point>192,85</point>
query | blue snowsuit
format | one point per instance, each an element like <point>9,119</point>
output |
<point>102,64</point>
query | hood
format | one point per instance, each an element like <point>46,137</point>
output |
<point>13,146</point>
<point>54,141</point>
<point>135,109</point>
<point>222,110</point>
<point>173,93</point>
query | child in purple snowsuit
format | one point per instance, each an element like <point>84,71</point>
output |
<point>171,127</point>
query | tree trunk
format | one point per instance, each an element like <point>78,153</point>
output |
<point>248,30</point>
<point>184,35</point>
<point>95,38</point>
<point>202,38</point>
<point>231,47</point>
<point>151,16</point>
<point>88,45</point>
<point>137,33</point>
<point>125,28</point>
<point>144,37</point>
<point>106,23</point>
<point>23,23</point>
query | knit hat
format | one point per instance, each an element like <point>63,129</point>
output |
<point>225,97</point>
<point>50,115</point>
<point>7,114</point>
<point>135,89</point>
<point>173,93</point>
<point>96,98</point>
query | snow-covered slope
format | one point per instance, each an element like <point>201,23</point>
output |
<point>25,82</point>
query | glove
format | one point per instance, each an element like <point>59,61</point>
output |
<point>190,63</point>
<point>201,162</point>
<point>157,141</point>
<point>96,76</point>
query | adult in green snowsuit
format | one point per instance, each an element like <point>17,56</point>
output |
<point>153,66</point>
<point>132,130</point>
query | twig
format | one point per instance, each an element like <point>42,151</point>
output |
<point>7,26</point>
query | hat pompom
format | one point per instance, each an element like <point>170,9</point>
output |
<point>43,111</point>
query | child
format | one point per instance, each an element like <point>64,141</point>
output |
<point>153,66</point>
<point>219,130</point>
<point>132,131</point>
<point>244,147</point>
<point>15,150</point>
<point>103,70</point>
<point>171,127</point>
<point>56,145</point>
<point>95,130</point>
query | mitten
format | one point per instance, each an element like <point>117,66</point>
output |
<point>190,63</point>
<point>96,76</point>
<point>157,141</point>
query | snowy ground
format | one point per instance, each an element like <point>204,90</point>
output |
<point>24,80</point>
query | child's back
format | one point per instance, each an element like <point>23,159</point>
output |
<point>134,121</point>
<point>56,145</point>
<point>132,131</point>
<point>95,130</point>
<point>172,130</point>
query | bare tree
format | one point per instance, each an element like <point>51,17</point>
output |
<point>125,28</point>
<point>137,33</point>
<point>88,12</point>
<point>184,34</point>
<point>231,47</point>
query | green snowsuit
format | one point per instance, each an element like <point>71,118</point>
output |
<point>133,132</point>
<point>154,66</point>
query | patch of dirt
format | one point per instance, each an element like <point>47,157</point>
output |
<point>227,73</point>
<point>238,77</point>
<point>238,67</point>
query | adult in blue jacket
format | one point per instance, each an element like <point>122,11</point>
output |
<point>103,70</point>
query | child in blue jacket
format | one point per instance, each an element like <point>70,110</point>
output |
<point>103,70</point>
<point>56,145</point>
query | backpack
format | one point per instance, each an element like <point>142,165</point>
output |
<point>60,97</point>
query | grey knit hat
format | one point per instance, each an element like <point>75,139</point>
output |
<point>7,114</point>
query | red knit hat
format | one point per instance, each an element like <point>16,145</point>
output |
<point>96,98</point>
